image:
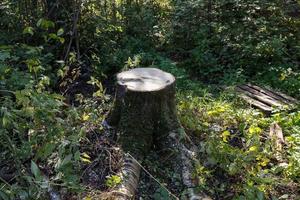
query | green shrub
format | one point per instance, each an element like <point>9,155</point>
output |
<point>221,37</point>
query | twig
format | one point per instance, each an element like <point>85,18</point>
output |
<point>109,160</point>
<point>5,183</point>
<point>74,33</point>
<point>52,8</point>
<point>74,29</point>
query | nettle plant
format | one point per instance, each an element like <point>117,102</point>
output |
<point>39,131</point>
<point>40,134</point>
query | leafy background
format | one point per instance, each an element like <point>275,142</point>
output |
<point>57,66</point>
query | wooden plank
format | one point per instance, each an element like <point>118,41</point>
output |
<point>277,95</point>
<point>289,98</point>
<point>262,97</point>
<point>265,108</point>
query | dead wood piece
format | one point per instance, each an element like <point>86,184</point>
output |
<point>188,157</point>
<point>129,174</point>
<point>187,160</point>
<point>276,95</point>
<point>261,97</point>
<point>264,97</point>
<point>277,134</point>
<point>266,108</point>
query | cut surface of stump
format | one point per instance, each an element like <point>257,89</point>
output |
<point>144,114</point>
<point>145,79</point>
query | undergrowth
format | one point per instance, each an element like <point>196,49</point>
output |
<point>55,55</point>
<point>41,134</point>
<point>239,159</point>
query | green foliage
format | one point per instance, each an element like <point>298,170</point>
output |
<point>38,127</point>
<point>48,48</point>
<point>242,38</point>
<point>40,133</point>
<point>238,156</point>
<point>161,193</point>
<point>113,181</point>
<point>113,31</point>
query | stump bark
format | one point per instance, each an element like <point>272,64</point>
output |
<point>144,114</point>
<point>144,109</point>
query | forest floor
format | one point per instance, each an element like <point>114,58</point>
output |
<point>237,157</point>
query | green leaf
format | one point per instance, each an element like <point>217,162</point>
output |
<point>253,148</point>
<point>161,193</point>
<point>260,195</point>
<point>45,24</point>
<point>85,158</point>
<point>77,155</point>
<point>46,150</point>
<point>4,196</point>
<point>53,36</point>
<point>4,55</point>
<point>39,22</point>
<point>60,73</point>
<point>60,32</point>
<point>225,135</point>
<point>66,160</point>
<point>35,169</point>
<point>23,194</point>
<point>62,40</point>
<point>113,181</point>
<point>28,30</point>
<point>255,130</point>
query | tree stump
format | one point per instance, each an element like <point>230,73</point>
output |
<point>144,110</point>
<point>144,114</point>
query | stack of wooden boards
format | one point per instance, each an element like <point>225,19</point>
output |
<point>266,100</point>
